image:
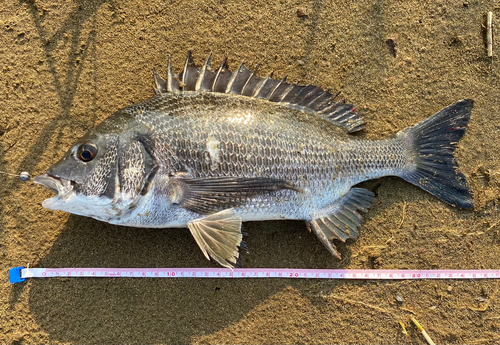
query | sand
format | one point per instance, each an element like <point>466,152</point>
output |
<point>67,67</point>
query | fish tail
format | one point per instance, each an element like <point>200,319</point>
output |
<point>434,167</point>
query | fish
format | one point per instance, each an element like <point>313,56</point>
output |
<point>214,148</point>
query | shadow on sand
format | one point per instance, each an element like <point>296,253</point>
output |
<point>161,310</point>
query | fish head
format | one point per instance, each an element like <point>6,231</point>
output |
<point>85,177</point>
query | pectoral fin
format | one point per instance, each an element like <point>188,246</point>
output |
<point>209,195</point>
<point>219,236</point>
<point>342,220</point>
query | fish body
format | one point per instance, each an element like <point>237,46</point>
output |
<point>213,149</point>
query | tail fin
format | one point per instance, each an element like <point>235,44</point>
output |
<point>435,139</point>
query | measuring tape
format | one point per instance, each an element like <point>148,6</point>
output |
<point>19,274</point>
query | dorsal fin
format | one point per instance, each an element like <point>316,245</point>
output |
<point>160,83</point>
<point>222,77</point>
<point>252,82</point>
<point>238,80</point>
<point>206,77</point>
<point>189,75</point>
<point>244,82</point>
<point>172,79</point>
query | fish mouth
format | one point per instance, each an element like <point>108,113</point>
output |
<point>68,199</point>
<point>60,186</point>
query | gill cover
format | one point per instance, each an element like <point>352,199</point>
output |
<point>134,169</point>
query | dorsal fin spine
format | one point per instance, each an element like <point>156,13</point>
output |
<point>307,95</point>
<point>283,95</point>
<point>233,78</point>
<point>249,78</point>
<point>217,74</point>
<point>259,86</point>
<point>275,88</point>
<point>159,82</point>
<point>319,101</point>
<point>206,66</point>
<point>184,72</point>
<point>329,107</point>
<point>170,75</point>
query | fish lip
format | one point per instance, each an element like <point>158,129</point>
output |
<point>60,186</point>
<point>56,184</point>
<point>69,199</point>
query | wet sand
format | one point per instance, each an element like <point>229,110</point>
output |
<point>67,67</point>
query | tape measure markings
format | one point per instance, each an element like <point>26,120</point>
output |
<point>18,274</point>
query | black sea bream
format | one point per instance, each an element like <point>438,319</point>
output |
<point>214,148</point>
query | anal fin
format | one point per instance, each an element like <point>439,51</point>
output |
<point>342,220</point>
<point>219,236</point>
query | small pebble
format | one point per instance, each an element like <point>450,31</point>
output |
<point>392,43</point>
<point>302,12</point>
<point>24,176</point>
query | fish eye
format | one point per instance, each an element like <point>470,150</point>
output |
<point>87,152</point>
